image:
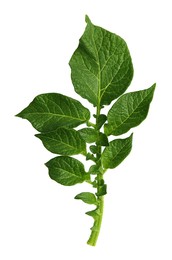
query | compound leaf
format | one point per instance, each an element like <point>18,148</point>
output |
<point>49,111</point>
<point>129,111</point>
<point>101,66</point>
<point>66,170</point>
<point>63,141</point>
<point>116,152</point>
<point>87,197</point>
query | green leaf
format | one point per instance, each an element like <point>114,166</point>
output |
<point>129,111</point>
<point>93,149</point>
<point>94,169</point>
<point>100,121</point>
<point>66,170</point>
<point>87,197</point>
<point>93,213</point>
<point>101,66</point>
<point>88,134</point>
<point>63,141</point>
<point>102,140</point>
<point>90,156</point>
<point>48,112</point>
<point>102,190</point>
<point>116,152</point>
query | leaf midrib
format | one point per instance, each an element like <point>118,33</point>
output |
<point>121,149</point>
<point>60,168</point>
<point>60,141</point>
<point>98,64</point>
<point>58,115</point>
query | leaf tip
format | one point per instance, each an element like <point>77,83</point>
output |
<point>19,115</point>
<point>76,197</point>
<point>87,19</point>
<point>153,86</point>
<point>46,164</point>
<point>131,136</point>
<point>38,136</point>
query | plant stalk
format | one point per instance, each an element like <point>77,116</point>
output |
<point>97,224</point>
<point>95,230</point>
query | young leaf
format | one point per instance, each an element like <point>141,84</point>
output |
<point>94,169</point>
<point>101,66</point>
<point>116,152</point>
<point>102,190</point>
<point>88,134</point>
<point>93,149</point>
<point>87,197</point>
<point>102,140</point>
<point>66,170</point>
<point>90,156</point>
<point>100,121</point>
<point>93,213</point>
<point>129,111</point>
<point>50,111</point>
<point>63,141</point>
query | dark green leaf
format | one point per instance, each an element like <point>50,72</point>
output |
<point>66,170</point>
<point>129,111</point>
<point>50,111</point>
<point>100,182</point>
<point>93,149</point>
<point>90,156</point>
<point>94,169</point>
<point>87,197</point>
<point>94,183</point>
<point>88,134</point>
<point>100,121</point>
<point>102,190</point>
<point>101,66</point>
<point>63,141</point>
<point>116,152</point>
<point>102,140</point>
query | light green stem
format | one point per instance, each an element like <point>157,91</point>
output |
<point>100,199</point>
<point>97,224</point>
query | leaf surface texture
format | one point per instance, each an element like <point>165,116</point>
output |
<point>101,66</point>
<point>63,141</point>
<point>50,111</point>
<point>129,111</point>
<point>66,170</point>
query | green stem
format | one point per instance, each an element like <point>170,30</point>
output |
<point>97,224</point>
<point>100,199</point>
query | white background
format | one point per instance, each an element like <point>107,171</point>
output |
<point>39,219</point>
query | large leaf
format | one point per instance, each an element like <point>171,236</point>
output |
<point>63,141</point>
<point>101,66</point>
<point>116,152</point>
<point>66,170</point>
<point>50,111</point>
<point>129,111</point>
<point>87,197</point>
